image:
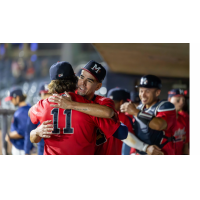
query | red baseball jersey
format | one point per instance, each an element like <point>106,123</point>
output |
<point>74,132</point>
<point>117,144</point>
<point>187,121</point>
<point>105,148</point>
<point>133,150</point>
<point>113,146</point>
<point>170,118</point>
<point>180,133</point>
<point>184,114</point>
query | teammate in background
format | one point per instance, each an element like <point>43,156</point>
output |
<point>181,131</point>
<point>74,132</point>
<point>185,110</point>
<point>19,122</point>
<point>120,96</point>
<point>134,96</point>
<point>114,145</point>
<point>43,93</point>
<point>154,119</point>
<point>90,81</point>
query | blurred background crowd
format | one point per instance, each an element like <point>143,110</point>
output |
<point>27,65</point>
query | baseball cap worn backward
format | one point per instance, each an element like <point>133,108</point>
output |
<point>13,93</point>
<point>96,69</point>
<point>150,81</point>
<point>118,94</point>
<point>176,92</point>
<point>60,70</point>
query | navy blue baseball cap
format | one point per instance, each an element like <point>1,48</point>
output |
<point>177,92</point>
<point>96,69</point>
<point>135,97</point>
<point>61,70</point>
<point>118,94</point>
<point>44,88</point>
<point>150,81</point>
<point>13,93</point>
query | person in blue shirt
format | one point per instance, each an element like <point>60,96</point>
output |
<point>28,146</point>
<point>19,122</point>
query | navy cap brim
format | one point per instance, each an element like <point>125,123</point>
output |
<point>91,73</point>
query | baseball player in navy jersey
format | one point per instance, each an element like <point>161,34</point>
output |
<point>19,122</point>
<point>154,118</point>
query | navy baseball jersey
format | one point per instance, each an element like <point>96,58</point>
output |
<point>19,124</point>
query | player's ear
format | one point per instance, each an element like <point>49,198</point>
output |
<point>158,92</point>
<point>121,102</point>
<point>98,86</point>
<point>17,99</point>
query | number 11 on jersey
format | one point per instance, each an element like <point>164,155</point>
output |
<point>68,129</point>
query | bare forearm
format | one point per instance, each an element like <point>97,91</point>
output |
<point>158,124</point>
<point>93,109</point>
<point>15,135</point>
<point>34,138</point>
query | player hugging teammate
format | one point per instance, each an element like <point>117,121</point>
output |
<point>86,123</point>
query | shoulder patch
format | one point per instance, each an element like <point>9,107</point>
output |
<point>165,106</point>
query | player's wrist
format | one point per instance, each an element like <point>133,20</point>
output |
<point>145,147</point>
<point>73,105</point>
<point>36,132</point>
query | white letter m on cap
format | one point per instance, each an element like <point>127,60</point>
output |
<point>95,68</point>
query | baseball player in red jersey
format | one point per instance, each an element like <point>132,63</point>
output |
<point>126,150</point>
<point>154,119</point>
<point>181,130</point>
<point>90,81</point>
<point>74,132</point>
<point>119,96</point>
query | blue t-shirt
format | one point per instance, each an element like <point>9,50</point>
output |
<point>19,124</point>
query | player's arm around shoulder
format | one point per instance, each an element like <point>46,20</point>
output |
<point>165,117</point>
<point>82,105</point>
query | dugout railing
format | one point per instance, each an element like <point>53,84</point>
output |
<point>4,127</point>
